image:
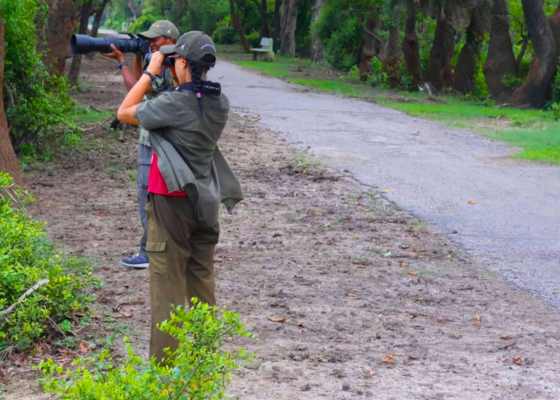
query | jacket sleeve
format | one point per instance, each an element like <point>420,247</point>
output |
<point>157,113</point>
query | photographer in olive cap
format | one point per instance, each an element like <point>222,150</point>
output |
<point>188,178</point>
<point>161,33</point>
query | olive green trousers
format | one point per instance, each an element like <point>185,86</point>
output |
<point>181,257</point>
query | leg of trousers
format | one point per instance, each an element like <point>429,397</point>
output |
<point>143,172</point>
<point>181,263</point>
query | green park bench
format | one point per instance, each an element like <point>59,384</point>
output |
<point>265,52</point>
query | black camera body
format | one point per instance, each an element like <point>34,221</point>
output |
<point>84,44</point>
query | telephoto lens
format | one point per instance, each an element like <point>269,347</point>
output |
<point>84,44</point>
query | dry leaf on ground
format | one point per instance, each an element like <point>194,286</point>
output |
<point>472,202</point>
<point>477,320</point>
<point>336,240</point>
<point>388,359</point>
<point>281,319</point>
<point>385,191</point>
<point>505,336</point>
<point>359,266</point>
<point>517,360</point>
<point>83,347</point>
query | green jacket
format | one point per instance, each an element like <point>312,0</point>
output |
<point>184,137</point>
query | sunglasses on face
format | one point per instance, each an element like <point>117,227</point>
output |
<point>172,58</point>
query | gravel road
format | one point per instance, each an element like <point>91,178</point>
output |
<point>430,170</point>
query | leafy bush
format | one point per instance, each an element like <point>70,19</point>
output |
<point>144,22</point>
<point>26,258</point>
<point>37,103</point>
<point>225,32</point>
<point>377,77</point>
<point>199,369</point>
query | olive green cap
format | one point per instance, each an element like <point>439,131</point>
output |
<point>161,28</point>
<point>195,46</point>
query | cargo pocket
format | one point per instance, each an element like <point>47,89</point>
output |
<point>158,260</point>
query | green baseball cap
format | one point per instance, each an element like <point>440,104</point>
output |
<point>196,46</point>
<point>161,28</point>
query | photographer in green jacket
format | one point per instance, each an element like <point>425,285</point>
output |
<point>188,178</point>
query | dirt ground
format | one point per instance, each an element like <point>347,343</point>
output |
<point>378,305</point>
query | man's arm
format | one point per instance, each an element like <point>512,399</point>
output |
<point>137,68</point>
<point>129,78</point>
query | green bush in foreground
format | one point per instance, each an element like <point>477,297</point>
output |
<point>199,369</point>
<point>26,258</point>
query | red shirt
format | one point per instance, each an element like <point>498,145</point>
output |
<point>156,183</point>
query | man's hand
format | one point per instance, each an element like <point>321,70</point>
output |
<point>154,67</point>
<point>115,55</point>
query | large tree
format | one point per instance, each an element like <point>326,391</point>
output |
<point>85,13</point>
<point>555,27</point>
<point>467,65</point>
<point>410,43</point>
<point>288,27</point>
<point>8,160</point>
<point>236,23</point>
<point>438,70</point>
<point>55,41</point>
<point>317,53</point>
<point>500,61</point>
<point>536,88</point>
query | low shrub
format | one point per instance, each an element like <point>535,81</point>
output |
<point>27,258</point>
<point>200,368</point>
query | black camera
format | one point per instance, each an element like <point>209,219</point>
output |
<point>84,44</point>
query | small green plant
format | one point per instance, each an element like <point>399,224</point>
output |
<point>199,368</point>
<point>335,223</point>
<point>555,110</point>
<point>56,285</point>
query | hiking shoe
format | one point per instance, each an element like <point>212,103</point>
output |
<point>136,261</point>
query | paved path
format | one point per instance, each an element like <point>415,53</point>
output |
<point>431,170</point>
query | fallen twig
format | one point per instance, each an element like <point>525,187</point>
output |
<point>23,296</point>
<point>100,125</point>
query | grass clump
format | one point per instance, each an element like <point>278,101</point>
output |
<point>27,258</point>
<point>200,368</point>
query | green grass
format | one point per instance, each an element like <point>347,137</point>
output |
<point>535,132</point>
<point>90,116</point>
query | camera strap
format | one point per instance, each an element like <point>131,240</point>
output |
<point>207,87</point>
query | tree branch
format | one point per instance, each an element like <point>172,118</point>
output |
<point>23,297</point>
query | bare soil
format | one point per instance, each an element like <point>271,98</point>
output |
<point>377,304</point>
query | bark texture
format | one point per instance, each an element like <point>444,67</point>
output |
<point>555,28</point>
<point>500,60</point>
<point>467,64</point>
<point>237,26</point>
<point>8,160</point>
<point>97,17</point>
<point>410,45</point>
<point>369,49</point>
<point>288,30</point>
<point>537,87</point>
<point>317,53</point>
<point>74,72</point>
<point>438,71</point>
<point>55,41</point>
<point>277,22</point>
<point>391,63</point>
<point>265,27</point>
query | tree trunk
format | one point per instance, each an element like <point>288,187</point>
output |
<point>555,27</point>
<point>134,9</point>
<point>277,22</point>
<point>288,30</point>
<point>368,51</point>
<point>265,27</point>
<point>317,53</point>
<point>97,18</point>
<point>392,60</point>
<point>74,72</point>
<point>55,41</point>
<point>467,64</point>
<point>8,160</point>
<point>410,46</point>
<point>500,60</point>
<point>537,87</point>
<point>238,28</point>
<point>438,70</point>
